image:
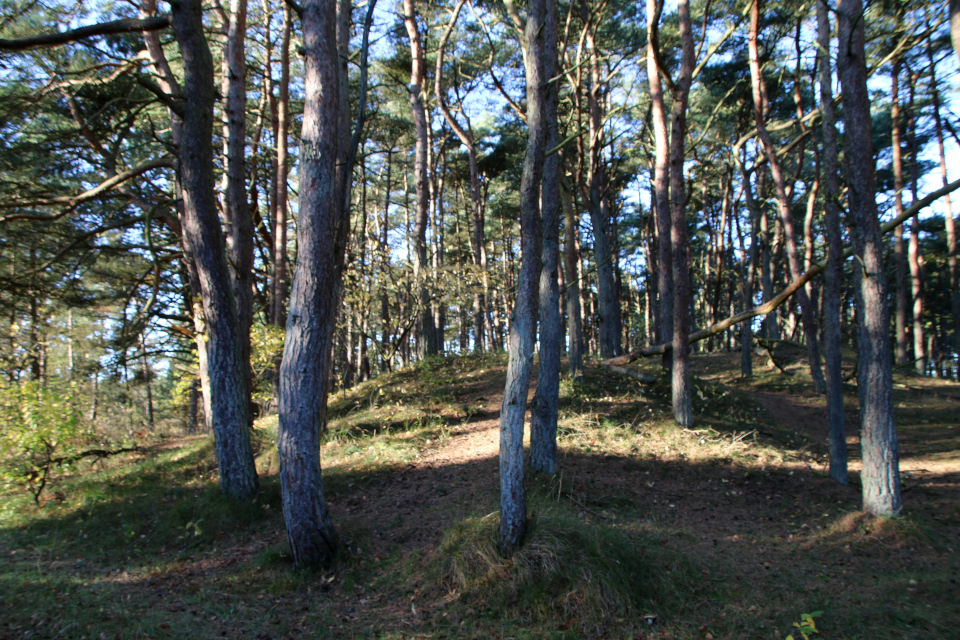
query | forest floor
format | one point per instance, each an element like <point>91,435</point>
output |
<point>728,530</point>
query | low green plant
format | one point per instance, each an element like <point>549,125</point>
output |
<point>807,626</point>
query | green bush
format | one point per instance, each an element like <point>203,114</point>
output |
<point>39,425</point>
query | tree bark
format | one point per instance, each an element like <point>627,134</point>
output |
<point>661,179</point>
<point>546,400</point>
<point>426,331</point>
<point>236,208</point>
<point>314,296</point>
<point>881,475</point>
<point>834,272</point>
<point>203,241</point>
<point>523,323</point>
<point>279,297</point>
<point>570,264</point>
<point>914,259</point>
<point>680,244</point>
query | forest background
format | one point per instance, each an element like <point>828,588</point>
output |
<point>226,211</point>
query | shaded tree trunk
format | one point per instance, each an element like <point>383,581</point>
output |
<point>203,241</point>
<point>546,400</point>
<point>899,250</point>
<point>881,475</point>
<point>834,271</point>
<point>279,297</point>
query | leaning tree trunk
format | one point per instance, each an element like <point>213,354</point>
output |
<point>881,474</point>
<point>680,244</point>
<point>786,216</point>
<point>833,357</point>
<point>546,400</point>
<point>523,325</point>
<point>426,331</point>
<point>203,241</point>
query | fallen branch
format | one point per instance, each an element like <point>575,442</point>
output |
<point>97,454</point>
<point>784,295</point>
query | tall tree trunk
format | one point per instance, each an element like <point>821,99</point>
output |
<point>786,216</point>
<point>426,331</point>
<point>523,324</point>
<point>313,299</point>
<point>546,400</point>
<point>203,241</point>
<point>279,297</point>
<point>834,271</point>
<point>680,244</point>
<point>236,208</point>
<point>881,474</point>
<point>661,180</point>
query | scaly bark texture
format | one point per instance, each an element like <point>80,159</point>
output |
<point>546,400</point>
<point>881,474</point>
<point>523,324</point>
<point>834,272</point>
<point>680,244</point>
<point>313,297</point>
<point>203,240</point>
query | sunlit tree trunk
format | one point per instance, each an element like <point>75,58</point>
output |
<point>523,323</point>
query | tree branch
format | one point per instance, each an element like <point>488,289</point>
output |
<point>60,38</point>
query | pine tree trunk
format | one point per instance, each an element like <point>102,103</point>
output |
<point>881,475</point>
<point>523,324</point>
<point>661,182</point>
<point>546,400</point>
<point>279,315</point>
<point>426,331</point>
<point>236,208</point>
<point>680,245</point>
<point>203,241</point>
<point>833,357</point>
<point>314,295</point>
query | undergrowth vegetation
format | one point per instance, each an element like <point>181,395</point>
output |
<point>727,530</point>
